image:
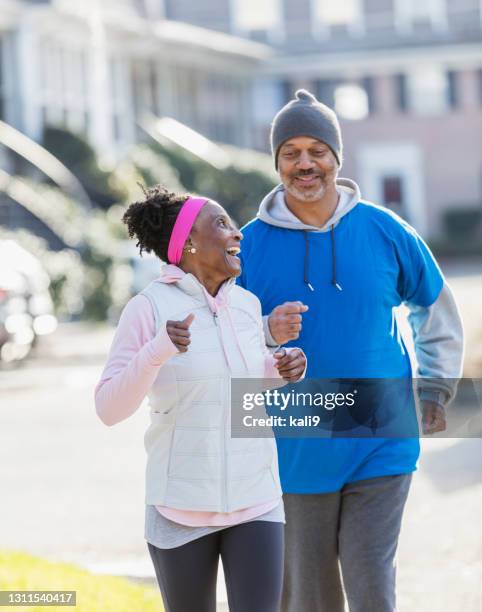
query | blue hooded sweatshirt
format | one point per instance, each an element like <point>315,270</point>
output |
<point>352,273</point>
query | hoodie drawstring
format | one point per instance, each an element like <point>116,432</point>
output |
<point>307,261</point>
<point>226,356</point>
<point>237,340</point>
<point>215,307</point>
<point>333,252</point>
<point>334,281</point>
<point>172,274</point>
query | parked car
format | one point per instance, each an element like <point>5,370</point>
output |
<point>16,332</point>
<point>26,308</point>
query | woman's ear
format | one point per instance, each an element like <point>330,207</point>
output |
<point>189,247</point>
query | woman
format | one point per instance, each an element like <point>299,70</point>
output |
<point>179,342</point>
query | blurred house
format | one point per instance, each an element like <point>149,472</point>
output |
<point>102,68</point>
<point>404,76</point>
<point>97,66</point>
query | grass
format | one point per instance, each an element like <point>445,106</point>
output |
<point>21,571</point>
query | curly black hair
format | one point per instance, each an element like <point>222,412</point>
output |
<point>152,220</point>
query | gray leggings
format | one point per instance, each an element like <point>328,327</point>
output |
<point>252,555</point>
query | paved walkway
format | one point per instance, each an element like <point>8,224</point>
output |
<point>73,488</point>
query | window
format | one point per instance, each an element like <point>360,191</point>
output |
<point>351,101</point>
<point>418,10</point>
<point>64,85</point>
<point>75,89</point>
<point>268,96</point>
<point>187,88</point>
<point>325,91</point>
<point>428,91</point>
<point>119,99</point>
<point>288,89</point>
<point>413,13</point>
<point>464,16</point>
<point>223,108</point>
<point>401,91</point>
<point>144,87</point>
<point>392,192</point>
<point>127,7</point>
<point>52,90</point>
<point>2,82</point>
<point>378,15</point>
<point>152,9</point>
<point>255,15</point>
<point>209,102</point>
<point>333,14</point>
<point>391,173</point>
<point>368,84</point>
<point>452,90</point>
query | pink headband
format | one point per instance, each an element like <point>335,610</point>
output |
<point>182,228</point>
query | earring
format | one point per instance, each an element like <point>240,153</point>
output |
<point>192,250</point>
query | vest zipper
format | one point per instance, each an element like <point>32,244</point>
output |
<point>225,457</point>
<point>223,431</point>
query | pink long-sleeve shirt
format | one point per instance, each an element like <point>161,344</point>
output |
<point>136,355</point>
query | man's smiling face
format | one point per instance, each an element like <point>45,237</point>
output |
<point>307,168</point>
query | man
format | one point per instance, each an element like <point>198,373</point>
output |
<point>329,269</point>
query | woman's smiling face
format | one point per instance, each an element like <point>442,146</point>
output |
<point>216,239</point>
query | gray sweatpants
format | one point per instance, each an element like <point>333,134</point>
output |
<point>344,542</point>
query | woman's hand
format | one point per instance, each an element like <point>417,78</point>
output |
<point>290,364</point>
<point>179,333</point>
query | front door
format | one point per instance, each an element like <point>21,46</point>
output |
<point>391,174</point>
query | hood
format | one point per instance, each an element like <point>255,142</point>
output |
<point>187,282</point>
<point>273,209</point>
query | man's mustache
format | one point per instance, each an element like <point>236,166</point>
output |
<point>308,173</point>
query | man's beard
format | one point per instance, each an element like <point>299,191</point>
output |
<point>307,195</point>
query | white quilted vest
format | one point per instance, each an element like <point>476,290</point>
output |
<point>193,463</point>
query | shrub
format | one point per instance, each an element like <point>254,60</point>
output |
<point>462,223</point>
<point>239,187</point>
<point>79,157</point>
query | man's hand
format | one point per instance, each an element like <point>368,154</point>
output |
<point>433,417</point>
<point>290,364</point>
<point>285,321</point>
<point>179,333</point>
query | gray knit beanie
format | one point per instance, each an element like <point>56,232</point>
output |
<point>306,116</point>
